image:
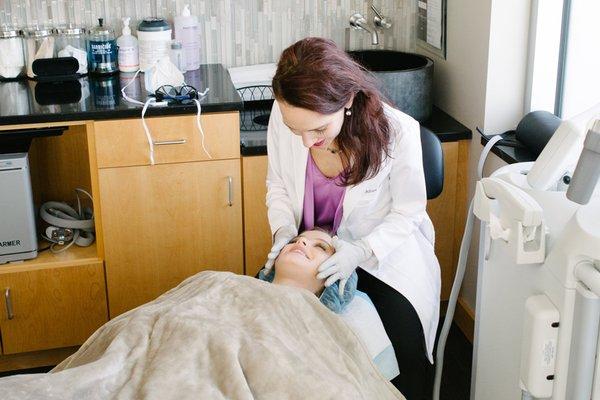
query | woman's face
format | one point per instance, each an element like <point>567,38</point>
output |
<point>317,130</point>
<point>300,259</point>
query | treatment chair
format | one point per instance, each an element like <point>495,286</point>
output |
<point>433,163</point>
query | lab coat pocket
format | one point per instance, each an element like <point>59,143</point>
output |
<point>427,230</point>
<point>370,190</point>
<point>368,196</point>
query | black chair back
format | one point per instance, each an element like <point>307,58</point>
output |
<point>433,163</point>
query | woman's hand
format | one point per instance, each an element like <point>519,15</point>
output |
<point>282,237</point>
<point>348,255</point>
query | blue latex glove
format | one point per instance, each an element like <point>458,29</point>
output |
<point>348,256</point>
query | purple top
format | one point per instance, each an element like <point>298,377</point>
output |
<point>323,199</point>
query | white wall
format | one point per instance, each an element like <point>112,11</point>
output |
<point>460,82</point>
<point>507,64</point>
<point>545,45</point>
<point>505,91</point>
<point>482,81</point>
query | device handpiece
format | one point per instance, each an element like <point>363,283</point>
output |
<point>585,178</point>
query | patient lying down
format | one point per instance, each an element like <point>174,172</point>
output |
<point>220,335</point>
<point>298,261</point>
<point>297,266</point>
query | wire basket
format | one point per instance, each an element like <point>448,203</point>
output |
<point>257,101</point>
<point>256,93</point>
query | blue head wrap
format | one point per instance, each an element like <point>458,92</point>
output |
<point>330,296</point>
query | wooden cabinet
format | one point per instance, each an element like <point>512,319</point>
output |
<point>156,225</point>
<point>51,307</point>
<point>257,233</point>
<point>53,303</point>
<point>442,211</point>
<point>163,223</point>
<point>124,143</point>
<point>447,212</point>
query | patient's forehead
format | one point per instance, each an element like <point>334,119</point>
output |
<point>317,235</point>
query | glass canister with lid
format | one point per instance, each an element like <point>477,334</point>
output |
<point>39,43</point>
<point>70,42</point>
<point>12,57</point>
<point>102,50</point>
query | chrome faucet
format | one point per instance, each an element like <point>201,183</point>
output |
<point>379,20</point>
<point>357,21</point>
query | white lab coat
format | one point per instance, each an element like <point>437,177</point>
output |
<point>387,211</point>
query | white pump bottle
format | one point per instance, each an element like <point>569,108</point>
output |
<point>128,49</point>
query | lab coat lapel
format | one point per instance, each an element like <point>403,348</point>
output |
<point>298,162</point>
<point>350,198</point>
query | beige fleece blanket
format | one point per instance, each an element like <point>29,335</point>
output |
<point>216,336</point>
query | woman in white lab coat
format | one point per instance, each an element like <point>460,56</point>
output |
<point>342,159</point>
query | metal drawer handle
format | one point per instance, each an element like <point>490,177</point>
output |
<point>230,191</point>
<point>168,142</point>
<point>9,307</point>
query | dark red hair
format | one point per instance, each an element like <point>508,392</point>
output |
<point>315,74</point>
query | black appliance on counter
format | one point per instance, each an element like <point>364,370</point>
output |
<point>254,118</point>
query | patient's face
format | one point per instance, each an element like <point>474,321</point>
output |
<point>299,260</point>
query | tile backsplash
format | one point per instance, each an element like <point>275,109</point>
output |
<point>233,32</point>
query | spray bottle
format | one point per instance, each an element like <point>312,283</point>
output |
<point>128,49</point>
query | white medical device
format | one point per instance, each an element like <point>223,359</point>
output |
<point>18,238</point>
<point>562,151</point>
<point>538,286</point>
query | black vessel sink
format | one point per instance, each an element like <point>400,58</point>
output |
<point>405,78</point>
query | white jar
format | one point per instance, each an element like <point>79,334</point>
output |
<point>154,41</point>
<point>12,57</point>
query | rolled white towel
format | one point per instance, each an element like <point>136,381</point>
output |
<point>12,59</point>
<point>252,75</point>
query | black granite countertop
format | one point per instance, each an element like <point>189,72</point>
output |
<point>514,153</point>
<point>93,98</point>
<point>446,128</point>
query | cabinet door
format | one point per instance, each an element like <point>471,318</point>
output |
<point>164,223</point>
<point>257,232</point>
<point>51,308</point>
<point>442,212</point>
